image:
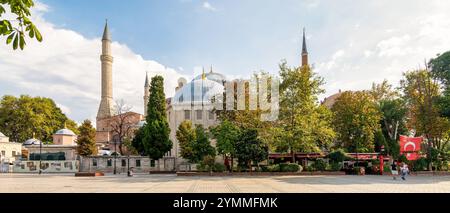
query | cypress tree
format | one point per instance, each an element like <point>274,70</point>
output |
<point>86,139</point>
<point>156,140</point>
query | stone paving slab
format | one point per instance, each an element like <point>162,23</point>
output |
<point>67,183</point>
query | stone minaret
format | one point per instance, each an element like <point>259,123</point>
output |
<point>146,94</point>
<point>106,105</point>
<point>304,50</point>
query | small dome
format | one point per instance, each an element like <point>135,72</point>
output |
<point>32,141</point>
<point>2,135</point>
<point>64,132</point>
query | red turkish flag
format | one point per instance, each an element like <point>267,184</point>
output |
<point>410,146</point>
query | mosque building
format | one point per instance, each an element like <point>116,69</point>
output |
<point>192,101</point>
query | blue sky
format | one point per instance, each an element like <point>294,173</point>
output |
<point>351,44</point>
<point>234,36</point>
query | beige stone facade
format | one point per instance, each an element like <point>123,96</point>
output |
<point>105,135</point>
<point>10,151</point>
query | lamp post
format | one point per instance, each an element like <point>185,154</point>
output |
<point>128,165</point>
<point>115,156</point>
<point>40,157</point>
<point>382,160</point>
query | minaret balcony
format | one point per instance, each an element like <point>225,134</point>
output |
<point>106,58</point>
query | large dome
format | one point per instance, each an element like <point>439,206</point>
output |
<point>198,91</point>
<point>32,141</point>
<point>64,132</point>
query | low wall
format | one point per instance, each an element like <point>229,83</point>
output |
<point>47,166</point>
<point>139,164</point>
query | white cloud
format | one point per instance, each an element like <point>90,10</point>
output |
<point>206,5</point>
<point>66,68</point>
<point>383,47</point>
<point>310,4</point>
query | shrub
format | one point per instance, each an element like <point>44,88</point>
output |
<point>290,167</point>
<point>387,168</point>
<point>202,168</point>
<point>263,169</point>
<point>274,168</point>
<point>335,166</point>
<point>338,156</point>
<point>420,164</point>
<point>320,164</point>
<point>218,167</point>
<point>310,168</point>
<point>207,165</point>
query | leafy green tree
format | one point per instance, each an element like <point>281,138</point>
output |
<point>421,92</point>
<point>16,30</point>
<point>250,148</point>
<point>201,146</point>
<point>393,120</point>
<point>356,120</point>
<point>383,91</point>
<point>156,141</point>
<point>443,103</point>
<point>440,68</point>
<point>226,134</point>
<point>86,139</point>
<point>306,126</point>
<point>194,142</point>
<point>186,138</point>
<point>24,116</point>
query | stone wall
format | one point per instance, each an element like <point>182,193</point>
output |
<point>139,164</point>
<point>47,166</point>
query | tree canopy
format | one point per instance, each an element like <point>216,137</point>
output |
<point>250,148</point>
<point>305,125</point>
<point>21,117</point>
<point>186,138</point>
<point>18,29</point>
<point>356,121</point>
<point>86,139</point>
<point>156,141</point>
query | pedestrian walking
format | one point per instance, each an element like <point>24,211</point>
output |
<point>394,170</point>
<point>404,171</point>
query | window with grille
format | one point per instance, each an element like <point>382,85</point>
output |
<point>187,115</point>
<point>138,163</point>
<point>199,114</point>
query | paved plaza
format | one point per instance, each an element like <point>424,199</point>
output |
<point>173,184</point>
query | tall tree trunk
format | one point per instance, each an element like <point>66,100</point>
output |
<point>293,156</point>
<point>232,164</point>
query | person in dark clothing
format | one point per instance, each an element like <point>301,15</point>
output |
<point>394,170</point>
